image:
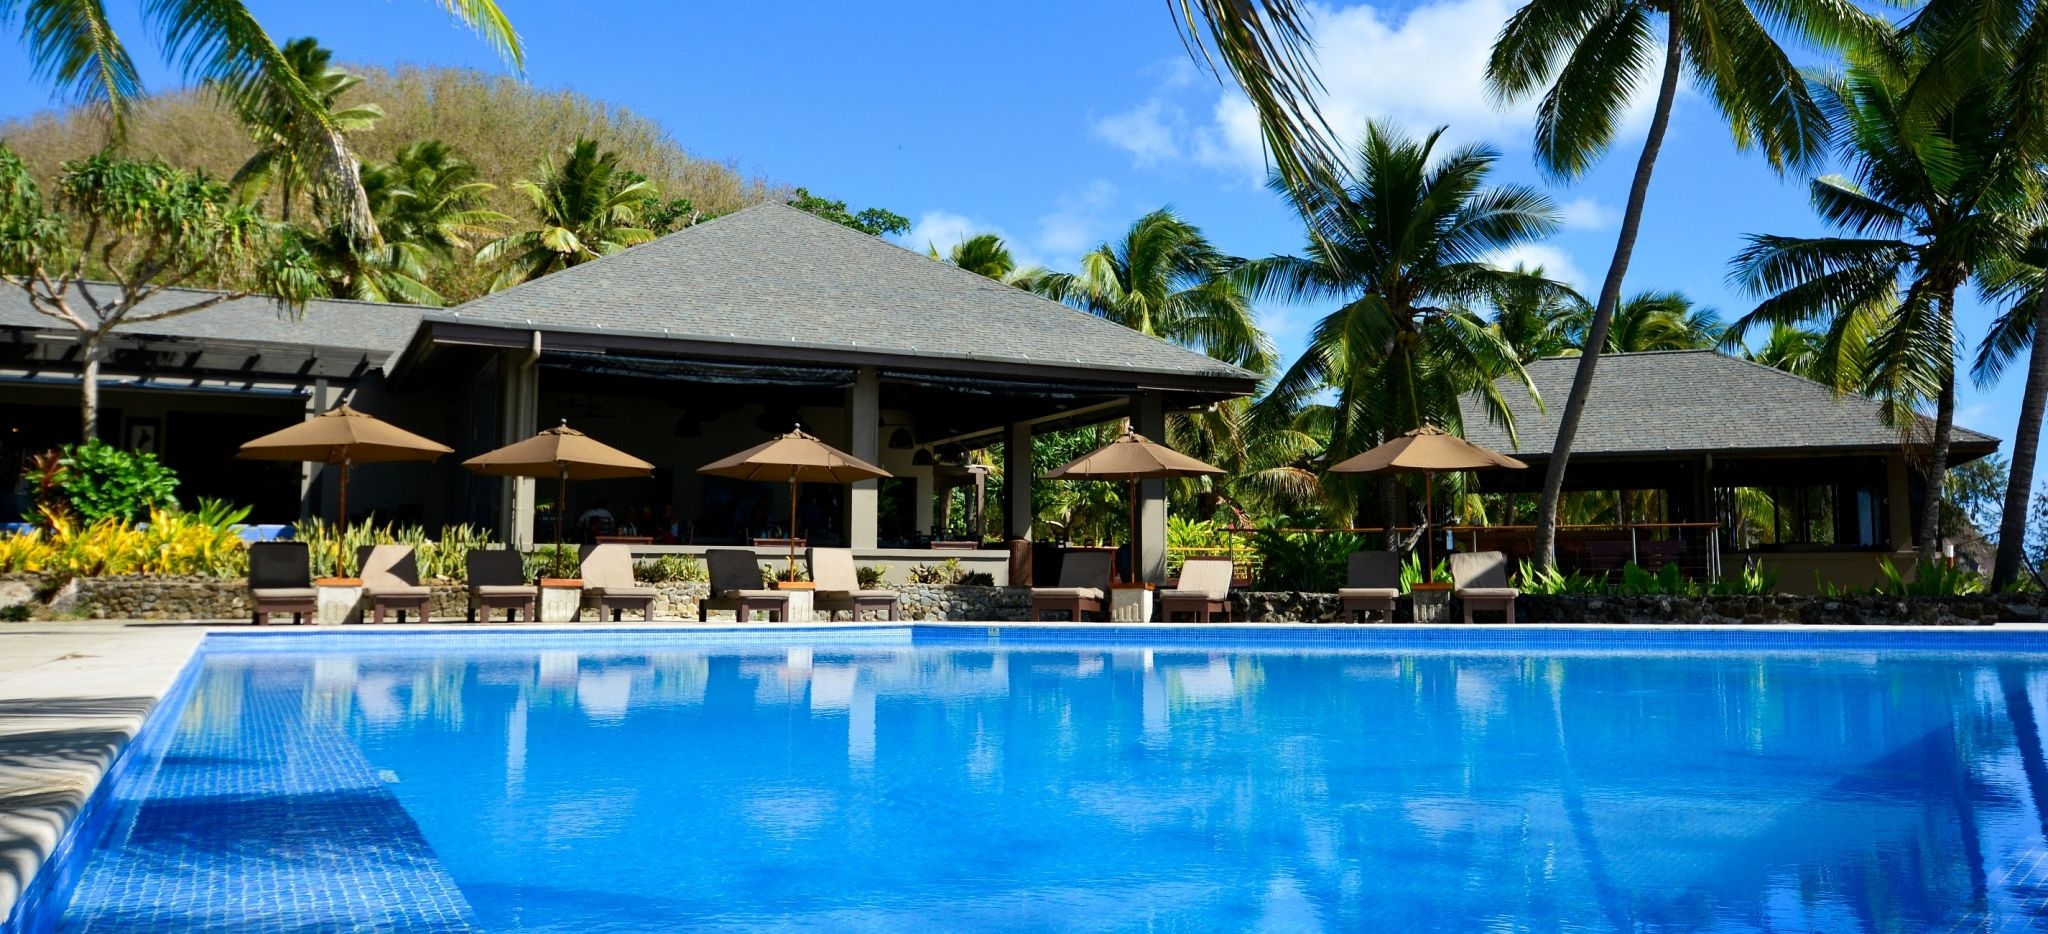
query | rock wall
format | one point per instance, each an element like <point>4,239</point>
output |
<point>206,598</point>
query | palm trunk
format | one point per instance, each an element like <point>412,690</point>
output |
<point>1937,454</point>
<point>89,388</point>
<point>2026,441</point>
<point>1610,298</point>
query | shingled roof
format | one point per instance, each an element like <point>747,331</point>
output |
<point>376,329</point>
<point>1693,401</point>
<point>780,279</point>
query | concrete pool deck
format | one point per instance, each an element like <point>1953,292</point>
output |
<point>74,694</point>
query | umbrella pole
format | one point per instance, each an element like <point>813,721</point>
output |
<point>341,525</point>
<point>791,573</point>
<point>1131,570</point>
<point>1429,523</point>
<point>561,512</point>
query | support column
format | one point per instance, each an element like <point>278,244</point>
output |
<point>320,401</point>
<point>519,418</point>
<point>922,509</point>
<point>1017,481</point>
<point>864,424</point>
<point>1898,503</point>
<point>1149,417</point>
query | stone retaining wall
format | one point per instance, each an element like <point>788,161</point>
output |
<point>157,598</point>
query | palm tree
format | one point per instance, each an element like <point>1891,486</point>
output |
<point>988,256</point>
<point>1789,347</point>
<point>1165,279</point>
<point>584,208</point>
<point>389,270</point>
<point>290,142</point>
<point>1533,314</point>
<point>2021,328</point>
<point>1651,321</point>
<point>1404,242</point>
<point>1588,57</point>
<point>1933,202</point>
<point>73,44</point>
<point>428,206</point>
<point>437,201</point>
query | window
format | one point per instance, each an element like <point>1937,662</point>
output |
<point>1802,517</point>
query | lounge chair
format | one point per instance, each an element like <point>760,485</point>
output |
<point>281,581</point>
<point>608,582</point>
<point>736,586</point>
<point>391,581</point>
<point>1480,582</point>
<point>1202,592</point>
<point>1084,586</point>
<point>1374,586</point>
<point>838,584</point>
<point>497,581</point>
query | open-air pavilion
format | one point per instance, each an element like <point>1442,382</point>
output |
<point>678,351</point>
<point>1721,461</point>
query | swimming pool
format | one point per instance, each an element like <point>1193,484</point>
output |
<point>964,779</point>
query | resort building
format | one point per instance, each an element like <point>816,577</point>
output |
<point>712,339</point>
<point>1712,461</point>
<point>679,351</point>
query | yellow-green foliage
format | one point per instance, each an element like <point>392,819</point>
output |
<point>202,542</point>
<point>438,557</point>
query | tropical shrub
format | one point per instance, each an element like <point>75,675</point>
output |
<point>870,575</point>
<point>552,561</point>
<point>1667,581</point>
<point>772,574</point>
<point>200,542</point>
<point>1183,532</point>
<point>1753,580</point>
<point>1304,561</point>
<point>976,579</point>
<point>1553,582</point>
<point>1930,579</point>
<point>672,569</point>
<point>440,557</point>
<point>946,572</point>
<point>1411,572</point>
<point>100,481</point>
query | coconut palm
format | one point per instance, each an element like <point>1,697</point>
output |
<point>2021,282</point>
<point>1789,347</point>
<point>1533,313</point>
<point>437,200</point>
<point>1404,243</point>
<point>428,207</point>
<point>1588,57</point>
<point>987,255</point>
<point>73,44</point>
<point>1651,321</point>
<point>291,142</point>
<point>1932,203</point>
<point>389,270</point>
<point>1165,279</point>
<point>584,208</point>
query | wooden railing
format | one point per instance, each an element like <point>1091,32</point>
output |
<point>1694,546</point>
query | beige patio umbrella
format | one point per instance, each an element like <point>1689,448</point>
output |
<point>793,458</point>
<point>343,436</point>
<point>565,454</point>
<point>1426,451</point>
<point>1132,458</point>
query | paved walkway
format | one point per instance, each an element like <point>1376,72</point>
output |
<point>71,697</point>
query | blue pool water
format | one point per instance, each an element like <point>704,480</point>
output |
<point>939,782</point>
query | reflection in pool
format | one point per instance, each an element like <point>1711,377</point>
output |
<point>904,787</point>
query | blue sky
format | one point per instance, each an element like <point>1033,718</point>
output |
<point>1056,123</point>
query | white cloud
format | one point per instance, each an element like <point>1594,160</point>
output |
<point>1078,220</point>
<point>1419,67</point>
<point>1149,131</point>
<point>1555,263</point>
<point>942,229</point>
<point>1588,214</point>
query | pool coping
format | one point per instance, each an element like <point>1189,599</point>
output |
<point>75,696</point>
